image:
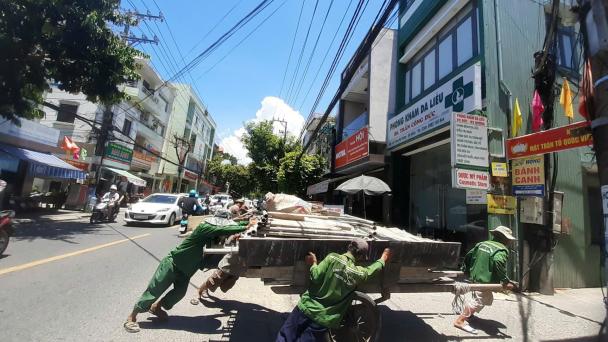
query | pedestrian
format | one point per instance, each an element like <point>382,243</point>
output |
<point>486,263</point>
<point>331,291</point>
<point>178,267</point>
<point>239,208</point>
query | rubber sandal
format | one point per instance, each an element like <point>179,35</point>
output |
<point>131,327</point>
<point>467,328</point>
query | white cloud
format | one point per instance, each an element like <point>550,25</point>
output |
<point>271,107</point>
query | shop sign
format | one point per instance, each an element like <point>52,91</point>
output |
<point>353,148</point>
<point>529,176</point>
<point>143,159</point>
<point>469,140</point>
<point>461,94</point>
<point>119,153</point>
<point>318,188</point>
<point>552,140</point>
<point>470,179</point>
<point>190,175</point>
<point>499,169</point>
<point>77,164</point>
<point>476,196</point>
<point>31,131</point>
<point>498,204</point>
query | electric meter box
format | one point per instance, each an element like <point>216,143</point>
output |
<point>532,210</point>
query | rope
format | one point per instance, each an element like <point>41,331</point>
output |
<point>463,298</point>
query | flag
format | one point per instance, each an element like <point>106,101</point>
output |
<point>537,112</point>
<point>565,99</point>
<point>586,104</point>
<point>517,120</point>
<point>83,153</point>
<point>70,147</point>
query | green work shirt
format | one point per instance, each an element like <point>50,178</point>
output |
<point>487,263</point>
<point>188,256</point>
<point>332,286</point>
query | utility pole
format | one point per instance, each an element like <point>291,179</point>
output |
<point>103,135</point>
<point>594,24</point>
<point>132,40</point>
<point>284,123</point>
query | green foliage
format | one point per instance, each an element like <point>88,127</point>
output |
<point>221,172</point>
<point>297,173</point>
<point>67,41</point>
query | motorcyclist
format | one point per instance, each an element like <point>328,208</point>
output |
<point>189,204</point>
<point>112,198</point>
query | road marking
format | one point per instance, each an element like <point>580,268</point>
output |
<point>63,256</point>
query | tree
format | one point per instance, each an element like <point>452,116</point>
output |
<point>297,173</point>
<point>67,41</point>
<point>266,150</point>
<point>238,175</point>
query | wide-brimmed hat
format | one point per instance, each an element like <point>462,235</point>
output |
<point>219,221</point>
<point>506,232</point>
<point>240,200</point>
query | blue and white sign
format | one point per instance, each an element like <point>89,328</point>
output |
<point>460,94</point>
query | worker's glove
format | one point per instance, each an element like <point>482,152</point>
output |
<point>311,259</point>
<point>386,255</point>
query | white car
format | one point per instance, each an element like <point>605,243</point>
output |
<point>156,208</point>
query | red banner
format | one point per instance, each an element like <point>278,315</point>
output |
<point>190,175</point>
<point>553,140</point>
<point>353,148</point>
<point>79,165</point>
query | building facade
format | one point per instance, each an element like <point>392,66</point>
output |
<point>190,121</point>
<point>139,128</point>
<point>476,57</point>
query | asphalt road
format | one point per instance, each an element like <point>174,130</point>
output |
<point>68,280</point>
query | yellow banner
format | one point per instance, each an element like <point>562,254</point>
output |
<point>506,205</point>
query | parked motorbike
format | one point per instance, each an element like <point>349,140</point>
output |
<point>6,228</point>
<point>100,212</point>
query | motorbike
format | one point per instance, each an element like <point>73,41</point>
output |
<point>183,224</point>
<point>6,228</point>
<point>100,212</point>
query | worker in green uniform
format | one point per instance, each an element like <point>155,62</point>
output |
<point>178,267</point>
<point>332,287</point>
<point>486,263</point>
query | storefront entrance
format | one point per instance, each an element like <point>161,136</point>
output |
<point>436,209</point>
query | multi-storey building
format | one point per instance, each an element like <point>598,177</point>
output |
<point>191,122</point>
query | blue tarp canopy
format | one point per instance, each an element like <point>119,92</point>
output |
<point>44,164</point>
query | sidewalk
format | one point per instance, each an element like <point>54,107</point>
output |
<point>50,215</point>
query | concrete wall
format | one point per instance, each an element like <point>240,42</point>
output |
<point>383,65</point>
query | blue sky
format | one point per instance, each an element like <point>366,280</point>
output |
<point>234,89</point>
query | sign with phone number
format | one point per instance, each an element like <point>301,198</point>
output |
<point>119,153</point>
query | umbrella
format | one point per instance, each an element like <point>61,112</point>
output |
<point>369,186</point>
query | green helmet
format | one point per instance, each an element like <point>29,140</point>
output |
<point>192,193</point>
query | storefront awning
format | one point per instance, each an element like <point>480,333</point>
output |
<point>131,178</point>
<point>44,165</point>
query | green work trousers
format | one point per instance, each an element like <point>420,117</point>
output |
<point>166,274</point>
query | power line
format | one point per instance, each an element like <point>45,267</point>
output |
<point>241,41</point>
<point>359,56</point>
<point>295,73</point>
<point>326,53</point>
<point>293,42</point>
<point>301,83</point>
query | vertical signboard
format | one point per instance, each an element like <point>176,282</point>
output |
<point>529,176</point>
<point>469,151</point>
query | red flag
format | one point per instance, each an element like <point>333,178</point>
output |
<point>69,146</point>
<point>537,112</point>
<point>586,92</point>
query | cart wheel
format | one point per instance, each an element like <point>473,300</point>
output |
<point>361,322</point>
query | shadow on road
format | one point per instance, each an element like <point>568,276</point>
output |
<point>196,325</point>
<point>411,326</point>
<point>54,230</point>
<point>247,321</point>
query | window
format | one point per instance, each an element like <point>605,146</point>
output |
<point>429,69</point>
<point>455,45</point>
<point>446,64</point>
<point>166,103</point>
<point>567,49</point>
<point>407,87</point>
<point>147,88</point>
<point>67,112</point>
<point>416,79</point>
<point>126,127</point>
<point>464,39</point>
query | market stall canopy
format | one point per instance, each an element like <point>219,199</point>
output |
<point>43,164</point>
<point>130,177</point>
<point>369,186</point>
